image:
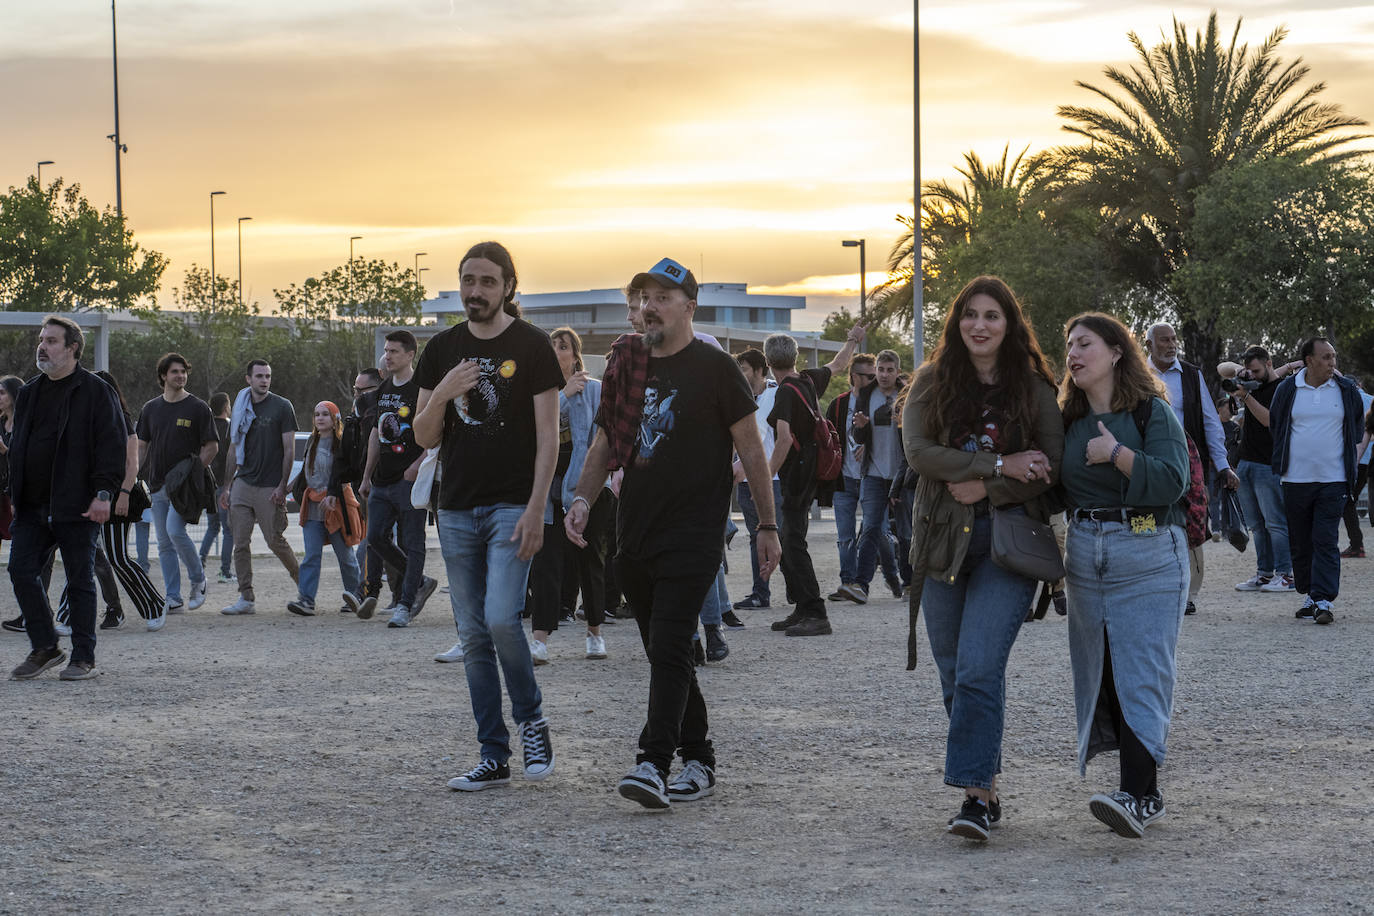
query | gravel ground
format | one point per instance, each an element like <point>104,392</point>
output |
<point>293,765</point>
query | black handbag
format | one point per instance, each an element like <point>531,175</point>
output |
<point>139,501</point>
<point>1026,547</point>
<point>1232,518</point>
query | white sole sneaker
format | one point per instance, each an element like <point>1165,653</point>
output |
<point>157,623</point>
<point>452,655</point>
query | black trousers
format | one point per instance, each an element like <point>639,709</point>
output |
<point>584,568</point>
<point>33,536</point>
<point>1138,768</point>
<point>802,587</point>
<point>1352,516</point>
<point>665,592</point>
<point>543,594</point>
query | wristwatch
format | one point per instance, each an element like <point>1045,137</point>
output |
<point>103,495</point>
<point>997,468</point>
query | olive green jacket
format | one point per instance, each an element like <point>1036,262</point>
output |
<point>941,527</point>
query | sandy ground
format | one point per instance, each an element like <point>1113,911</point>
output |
<point>290,765</point>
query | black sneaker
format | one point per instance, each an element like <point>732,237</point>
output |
<point>837,595</point>
<point>895,586</point>
<point>485,775</point>
<point>1323,613</point>
<point>696,780</point>
<point>1119,811</point>
<point>972,821</point>
<point>1306,612</point>
<point>731,621</point>
<point>994,813</point>
<point>14,626</point>
<point>301,607</point>
<point>1190,610</point>
<point>78,671</point>
<point>428,587</point>
<point>114,619</point>
<point>39,660</point>
<point>1151,808</point>
<point>644,784</point>
<point>810,626</point>
<point>791,620</point>
<point>698,654</point>
<point>539,756</point>
<point>716,649</point>
<point>751,603</point>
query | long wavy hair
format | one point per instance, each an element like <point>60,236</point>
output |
<point>1132,380</point>
<point>950,381</point>
<point>312,444</point>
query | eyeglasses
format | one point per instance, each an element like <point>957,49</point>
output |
<point>357,390</point>
<point>866,375</point>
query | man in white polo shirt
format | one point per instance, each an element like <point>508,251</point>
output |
<point>1317,418</point>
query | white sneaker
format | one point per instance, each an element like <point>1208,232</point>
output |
<point>62,629</point>
<point>596,647</point>
<point>1282,583</point>
<point>170,608</point>
<point>1254,584</point>
<point>157,623</point>
<point>539,652</point>
<point>452,655</point>
<point>198,590</point>
<point>242,606</point>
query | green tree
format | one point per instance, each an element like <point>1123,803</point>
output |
<point>1282,249</point>
<point>59,253</point>
<point>342,309</point>
<point>1190,108</point>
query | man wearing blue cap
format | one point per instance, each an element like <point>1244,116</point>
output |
<point>673,412</point>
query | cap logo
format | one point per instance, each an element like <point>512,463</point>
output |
<point>672,271</point>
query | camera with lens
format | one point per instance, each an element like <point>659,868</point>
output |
<point>1235,384</point>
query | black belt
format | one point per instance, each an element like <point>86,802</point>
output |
<point>1121,514</point>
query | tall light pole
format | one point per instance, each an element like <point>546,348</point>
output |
<point>40,171</point>
<point>120,148</point>
<point>863,288</point>
<point>214,293</point>
<point>917,274</point>
<point>351,240</point>
<point>242,220</point>
<point>418,256</point>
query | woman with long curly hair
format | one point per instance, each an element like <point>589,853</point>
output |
<point>1126,554</point>
<point>329,510</point>
<point>983,431</point>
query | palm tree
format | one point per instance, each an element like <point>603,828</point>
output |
<point>1187,110</point>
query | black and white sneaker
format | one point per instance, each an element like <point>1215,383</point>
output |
<point>644,784</point>
<point>1308,609</point>
<point>1323,613</point>
<point>972,822</point>
<point>1151,808</point>
<point>716,649</point>
<point>114,619</point>
<point>1119,811</point>
<point>14,626</point>
<point>696,780</point>
<point>485,775</point>
<point>539,756</point>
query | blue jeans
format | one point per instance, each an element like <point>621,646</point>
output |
<point>141,541</point>
<point>1314,523</point>
<point>217,523</point>
<point>173,542</point>
<point>315,535</point>
<point>487,589</point>
<point>972,623</point>
<point>717,601</point>
<point>874,543</point>
<point>387,506</point>
<point>33,536</point>
<point>846,503</point>
<point>1261,499</point>
<point>760,588</point>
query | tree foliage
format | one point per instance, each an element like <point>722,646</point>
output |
<point>59,253</point>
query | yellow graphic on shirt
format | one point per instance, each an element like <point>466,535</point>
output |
<point>507,368</point>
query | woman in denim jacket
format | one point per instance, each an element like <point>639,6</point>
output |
<point>982,429</point>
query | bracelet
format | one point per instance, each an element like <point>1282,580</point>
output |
<point>765,527</point>
<point>1116,450</point>
<point>126,491</point>
<point>582,500</point>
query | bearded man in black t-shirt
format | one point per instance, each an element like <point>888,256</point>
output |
<point>673,411</point>
<point>796,410</point>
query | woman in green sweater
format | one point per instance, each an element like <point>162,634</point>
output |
<point>1125,468</point>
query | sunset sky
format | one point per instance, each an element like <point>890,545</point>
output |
<point>745,139</point>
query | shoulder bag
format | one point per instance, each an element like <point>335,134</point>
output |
<point>1026,547</point>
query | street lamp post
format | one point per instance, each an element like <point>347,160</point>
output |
<point>214,293</point>
<point>418,256</point>
<point>351,240</point>
<point>40,171</point>
<point>863,288</point>
<point>120,148</point>
<point>242,220</point>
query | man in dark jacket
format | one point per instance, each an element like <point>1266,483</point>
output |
<point>66,468</point>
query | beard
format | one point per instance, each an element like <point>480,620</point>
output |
<point>480,310</point>
<point>654,336</point>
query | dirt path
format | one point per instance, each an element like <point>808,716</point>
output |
<point>289,765</point>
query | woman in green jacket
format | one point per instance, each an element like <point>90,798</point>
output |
<point>983,430</point>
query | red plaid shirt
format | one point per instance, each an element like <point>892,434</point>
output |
<point>622,397</point>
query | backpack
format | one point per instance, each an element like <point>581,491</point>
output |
<point>829,454</point>
<point>1196,519</point>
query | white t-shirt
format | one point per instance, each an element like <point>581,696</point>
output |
<point>765,402</point>
<point>1317,434</point>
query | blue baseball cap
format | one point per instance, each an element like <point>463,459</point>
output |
<point>668,273</point>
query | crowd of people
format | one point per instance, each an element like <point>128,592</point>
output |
<point>548,485</point>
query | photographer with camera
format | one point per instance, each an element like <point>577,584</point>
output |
<point>1252,383</point>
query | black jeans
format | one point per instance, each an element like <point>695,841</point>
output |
<point>665,592</point>
<point>1314,522</point>
<point>1352,516</point>
<point>543,594</point>
<point>584,568</point>
<point>802,587</point>
<point>1139,772</point>
<point>33,536</point>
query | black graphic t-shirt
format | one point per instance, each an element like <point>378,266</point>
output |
<point>395,414</point>
<point>489,440</point>
<point>798,472</point>
<point>676,490</point>
<point>173,430</point>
